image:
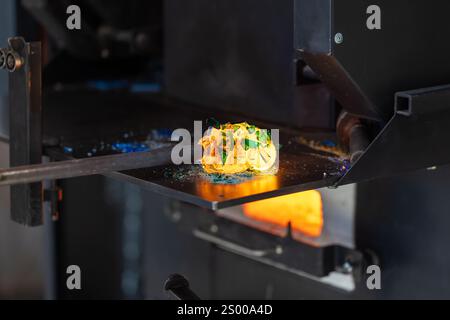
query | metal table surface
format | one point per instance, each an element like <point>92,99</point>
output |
<point>188,183</point>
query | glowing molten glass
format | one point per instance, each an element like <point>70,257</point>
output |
<point>237,148</point>
<point>303,210</point>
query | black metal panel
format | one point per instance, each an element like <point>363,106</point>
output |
<point>313,22</point>
<point>406,53</point>
<point>88,234</point>
<point>26,129</point>
<point>405,221</point>
<point>238,55</point>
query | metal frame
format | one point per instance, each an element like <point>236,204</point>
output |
<point>415,138</point>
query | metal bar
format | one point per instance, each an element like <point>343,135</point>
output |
<point>84,167</point>
<point>423,101</point>
<point>23,61</point>
<point>230,246</point>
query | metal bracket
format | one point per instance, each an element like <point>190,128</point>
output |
<point>23,61</point>
<point>416,137</point>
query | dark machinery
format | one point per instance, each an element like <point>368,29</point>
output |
<point>311,68</point>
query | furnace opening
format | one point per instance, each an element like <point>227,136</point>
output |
<point>304,211</point>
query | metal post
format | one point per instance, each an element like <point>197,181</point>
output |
<point>23,61</point>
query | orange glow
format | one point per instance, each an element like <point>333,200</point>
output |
<point>258,184</point>
<point>304,210</point>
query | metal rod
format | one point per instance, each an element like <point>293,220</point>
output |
<point>84,167</point>
<point>180,288</point>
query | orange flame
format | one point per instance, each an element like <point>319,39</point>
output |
<point>303,210</point>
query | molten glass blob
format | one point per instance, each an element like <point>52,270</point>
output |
<point>303,210</point>
<point>238,148</point>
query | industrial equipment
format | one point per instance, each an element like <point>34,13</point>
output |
<point>363,116</point>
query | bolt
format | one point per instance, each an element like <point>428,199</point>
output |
<point>347,268</point>
<point>279,250</point>
<point>13,61</point>
<point>176,216</point>
<point>339,38</point>
<point>214,229</point>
